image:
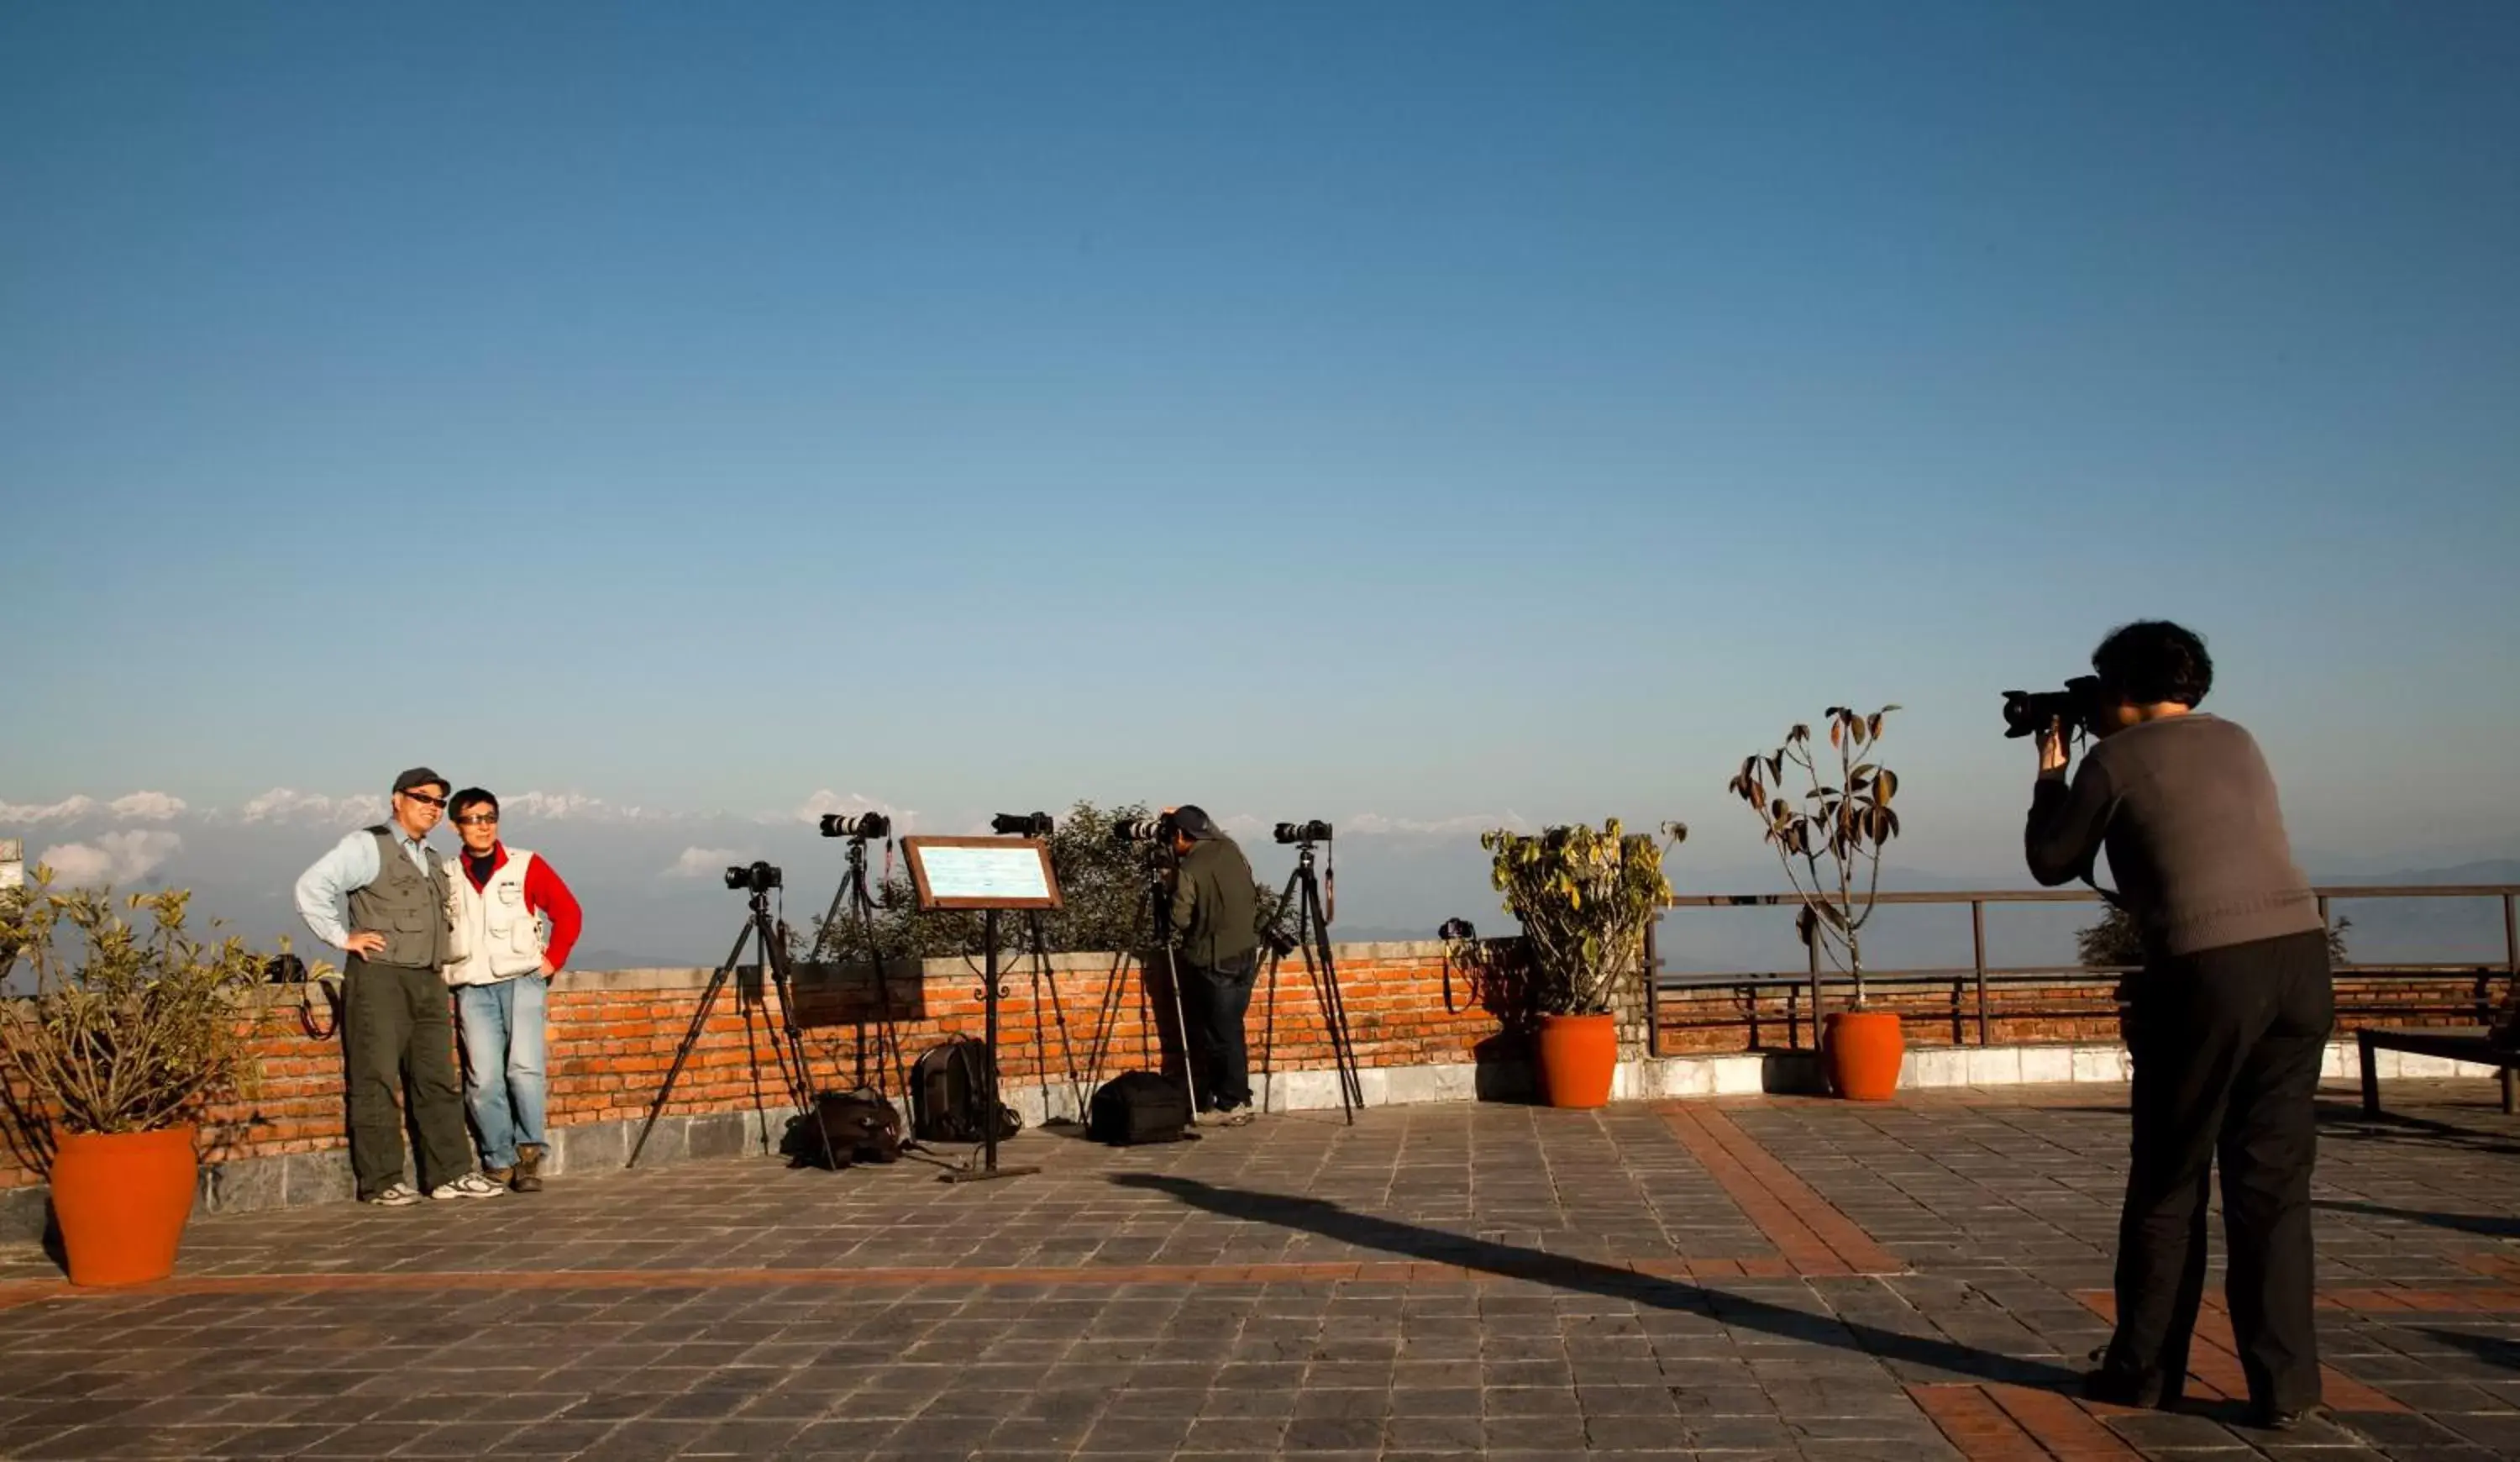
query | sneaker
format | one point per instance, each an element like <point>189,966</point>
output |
<point>469,1185</point>
<point>393,1196</point>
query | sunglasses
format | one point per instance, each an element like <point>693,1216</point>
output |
<point>477,820</point>
<point>425,800</point>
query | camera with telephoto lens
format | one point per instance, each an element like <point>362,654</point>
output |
<point>864,825</point>
<point>760,878</point>
<point>1144,830</point>
<point>1315,831</point>
<point>2075,708</point>
<point>1020,824</point>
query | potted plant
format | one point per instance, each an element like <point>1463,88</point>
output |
<point>1585,897</point>
<point>1844,816</point>
<point>125,1037</point>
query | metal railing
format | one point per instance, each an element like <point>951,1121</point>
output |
<point>1981,975</point>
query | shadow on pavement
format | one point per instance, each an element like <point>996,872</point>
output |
<point>1586,1276</point>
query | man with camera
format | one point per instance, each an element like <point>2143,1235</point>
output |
<point>396,1029</point>
<point>1215,918</point>
<point>2228,1021</point>
<point>501,969</point>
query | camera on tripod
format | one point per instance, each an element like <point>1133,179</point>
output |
<point>760,878</point>
<point>1315,831</point>
<point>1020,824</point>
<point>864,825</point>
<point>1144,830</point>
<point>2075,708</point>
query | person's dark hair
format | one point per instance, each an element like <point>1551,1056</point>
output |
<point>469,799</point>
<point>2152,661</point>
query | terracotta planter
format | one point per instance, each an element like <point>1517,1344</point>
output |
<point>122,1200</point>
<point>1864,1049</point>
<point>1577,1056</point>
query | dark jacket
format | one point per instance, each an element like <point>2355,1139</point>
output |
<point>1215,906</point>
<point>2187,811</point>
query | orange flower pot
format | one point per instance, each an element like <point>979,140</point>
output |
<point>1578,1056</point>
<point>1865,1049</point>
<point>122,1199</point>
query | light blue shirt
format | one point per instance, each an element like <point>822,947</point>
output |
<point>352,864</point>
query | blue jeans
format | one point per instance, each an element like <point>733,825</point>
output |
<point>503,1063</point>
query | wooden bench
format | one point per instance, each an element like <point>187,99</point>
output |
<point>2456,1047</point>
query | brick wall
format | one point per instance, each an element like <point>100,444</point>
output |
<point>613,1036</point>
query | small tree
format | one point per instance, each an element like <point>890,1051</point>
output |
<point>132,1033</point>
<point>1585,897</point>
<point>1845,817</point>
<point>2113,942</point>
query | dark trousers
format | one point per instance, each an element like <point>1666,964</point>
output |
<point>1214,1001</point>
<point>397,1032</point>
<point>2227,1045</point>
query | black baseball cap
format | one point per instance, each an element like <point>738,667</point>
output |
<point>421,776</point>
<point>1194,823</point>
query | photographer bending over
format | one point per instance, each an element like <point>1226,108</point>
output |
<point>1215,917</point>
<point>2228,1020</point>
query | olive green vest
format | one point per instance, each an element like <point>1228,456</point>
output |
<point>406,906</point>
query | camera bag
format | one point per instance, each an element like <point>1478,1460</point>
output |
<point>859,1126</point>
<point>1138,1107</point>
<point>946,1089</point>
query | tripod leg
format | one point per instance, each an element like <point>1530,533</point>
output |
<point>1181,1028</point>
<point>1269,1010</point>
<point>691,1038</point>
<point>1333,1007</point>
<point>799,1079</point>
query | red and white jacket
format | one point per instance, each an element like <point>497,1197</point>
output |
<point>499,921</point>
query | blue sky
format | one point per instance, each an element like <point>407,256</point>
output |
<point>1434,411</point>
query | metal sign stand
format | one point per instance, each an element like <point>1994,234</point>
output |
<point>990,876</point>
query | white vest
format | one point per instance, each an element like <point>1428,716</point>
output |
<point>496,935</point>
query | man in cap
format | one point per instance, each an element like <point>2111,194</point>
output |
<point>1215,926</point>
<point>396,1025</point>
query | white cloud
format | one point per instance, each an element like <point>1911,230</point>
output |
<point>282,804</point>
<point>825,802</point>
<point>113,859</point>
<point>568,806</point>
<point>148,807</point>
<point>1364,824</point>
<point>706,862</point>
<point>65,810</point>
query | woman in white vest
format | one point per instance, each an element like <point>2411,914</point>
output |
<point>514,923</point>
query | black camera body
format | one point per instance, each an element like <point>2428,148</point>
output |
<point>1159,830</point>
<point>2076,706</point>
<point>1315,831</point>
<point>1020,824</point>
<point>864,825</point>
<point>760,878</point>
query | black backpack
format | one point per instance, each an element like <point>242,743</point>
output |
<point>946,1088</point>
<point>860,1126</point>
<point>1138,1107</point>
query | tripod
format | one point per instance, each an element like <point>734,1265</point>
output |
<point>1154,921</point>
<point>1037,946</point>
<point>1313,936</point>
<point>758,926</point>
<point>853,900</point>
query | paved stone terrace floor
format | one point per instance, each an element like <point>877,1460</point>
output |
<point>1764,1278</point>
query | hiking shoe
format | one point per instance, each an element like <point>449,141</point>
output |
<point>528,1176</point>
<point>393,1196</point>
<point>469,1185</point>
<point>499,1176</point>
